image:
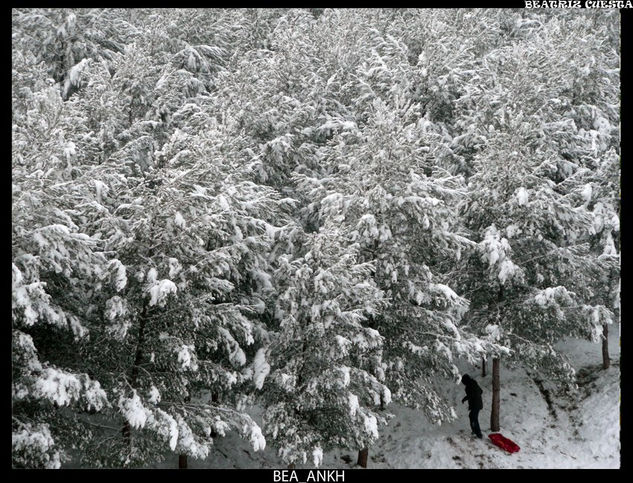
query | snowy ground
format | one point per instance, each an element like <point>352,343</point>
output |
<point>582,432</point>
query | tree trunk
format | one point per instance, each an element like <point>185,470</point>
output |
<point>496,386</point>
<point>291,466</point>
<point>606,362</point>
<point>483,366</point>
<point>182,458</point>
<point>214,399</point>
<point>362,458</point>
<point>139,347</point>
<point>494,413</point>
<point>126,431</point>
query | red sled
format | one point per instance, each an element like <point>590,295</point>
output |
<point>504,443</point>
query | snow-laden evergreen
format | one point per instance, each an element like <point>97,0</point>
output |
<point>535,276</point>
<point>325,382</point>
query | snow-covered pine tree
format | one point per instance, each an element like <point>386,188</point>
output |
<point>324,364</point>
<point>54,265</point>
<point>192,233</point>
<point>366,169</point>
<point>281,99</point>
<point>530,280</point>
<point>385,190</point>
<point>68,40</point>
<point>196,263</point>
<point>600,195</point>
<point>278,96</point>
<point>172,308</point>
<point>589,143</point>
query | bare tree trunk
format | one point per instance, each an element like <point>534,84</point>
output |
<point>494,413</point>
<point>362,457</point>
<point>496,386</point>
<point>606,361</point>
<point>126,431</point>
<point>483,366</point>
<point>214,399</point>
<point>182,458</point>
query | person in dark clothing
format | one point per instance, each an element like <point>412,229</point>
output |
<point>475,404</point>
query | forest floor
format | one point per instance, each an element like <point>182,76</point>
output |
<point>554,430</point>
